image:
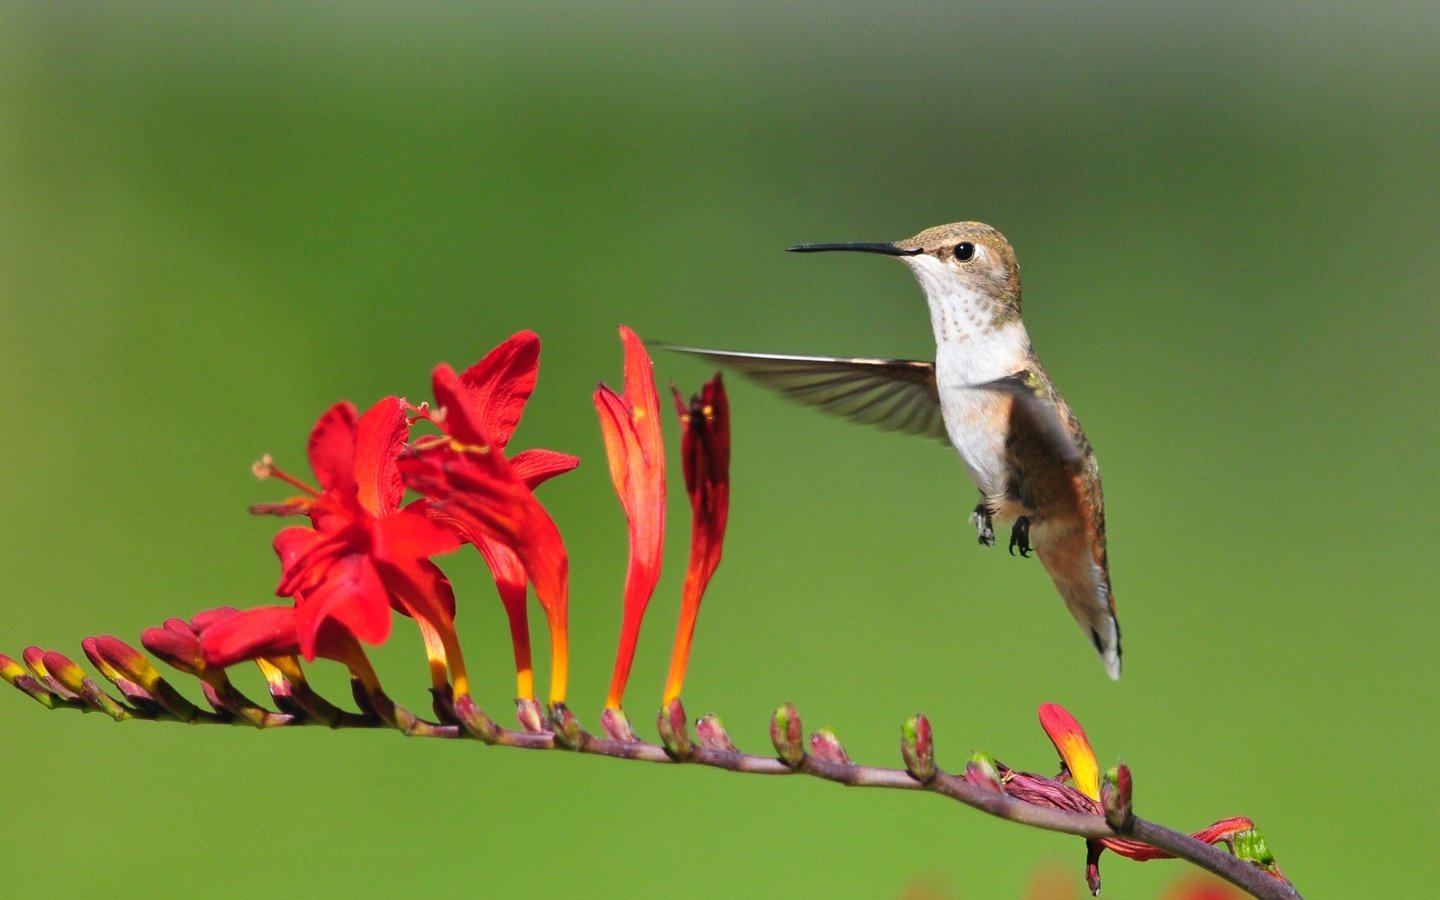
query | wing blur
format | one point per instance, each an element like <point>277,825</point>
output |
<point>894,394</point>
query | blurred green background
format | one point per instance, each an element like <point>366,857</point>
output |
<point>216,221</point>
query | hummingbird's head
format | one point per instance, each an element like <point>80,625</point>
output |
<point>967,258</point>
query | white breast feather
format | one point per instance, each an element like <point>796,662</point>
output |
<point>969,351</point>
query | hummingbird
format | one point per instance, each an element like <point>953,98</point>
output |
<point>989,396</point>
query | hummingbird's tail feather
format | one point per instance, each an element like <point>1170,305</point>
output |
<point>1084,583</point>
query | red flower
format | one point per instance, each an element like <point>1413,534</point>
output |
<point>633,445</point>
<point>1074,748</point>
<point>495,391</point>
<point>269,632</point>
<point>705,455</point>
<point>364,554</point>
<point>1081,767</point>
<point>264,631</point>
<point>473,488</point>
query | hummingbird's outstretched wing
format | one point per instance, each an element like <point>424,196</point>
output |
<point>1054,473</point>
<point>894,394</point>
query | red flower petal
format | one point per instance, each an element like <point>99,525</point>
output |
<point>410,535</point>
<point>353,597</point>
<point>461,421</point>
<point>1073,746</point>
<point>332,446</point>
<point>306,558</point>
<point>420,590</point>
<point>510,582</point>
<point>291,543</point>
<point>1139,852</point>
<point>640,390</point>
<point>498,386</point>
<point>254,633</point>
<point>535,466</point>
<point>207,618</point>
<point>380,435</point>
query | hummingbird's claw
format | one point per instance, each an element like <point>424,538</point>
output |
<point>1020,536</point>
<point>980,518</point>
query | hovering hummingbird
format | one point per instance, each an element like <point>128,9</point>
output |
<point>989,396</point>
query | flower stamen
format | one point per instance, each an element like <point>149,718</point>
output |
<point>265,468</point>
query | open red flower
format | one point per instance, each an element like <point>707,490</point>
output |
<point>471,486</point>
<point>364,553</point>
<point>494,391</point>
<point>630,425</point>
<point>270,632</point>
<point>264,631</point>
<point>1081,767</point>
<point>705,455</point>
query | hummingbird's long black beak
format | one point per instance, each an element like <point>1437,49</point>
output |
<point>886,249</point>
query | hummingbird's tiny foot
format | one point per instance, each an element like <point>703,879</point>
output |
<point>980,518</point>
<point>1020,537</point>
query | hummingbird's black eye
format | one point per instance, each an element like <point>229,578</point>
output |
<point>964,251</point>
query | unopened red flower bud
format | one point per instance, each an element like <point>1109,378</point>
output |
<point>134,694</point>
<point>1115,797</point>
<point>91,648</point>
<point>34,658</point>
<point>23,681</point>
<point>616,724</point>
<point>980,770</point>
<point>917,747</point>
<point>710,733</point>
<point>826,745</point>
<point>11,670</point>
<point>674,733</point>
<point>177,645</point>
<point>68,673</point>
<point>135,668</point>
<point>64,670</point>
<point>207,617</point>
<point>127,661</point>
<point>179,626</point>
<point>531,715</point>
<point>787,736</point>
